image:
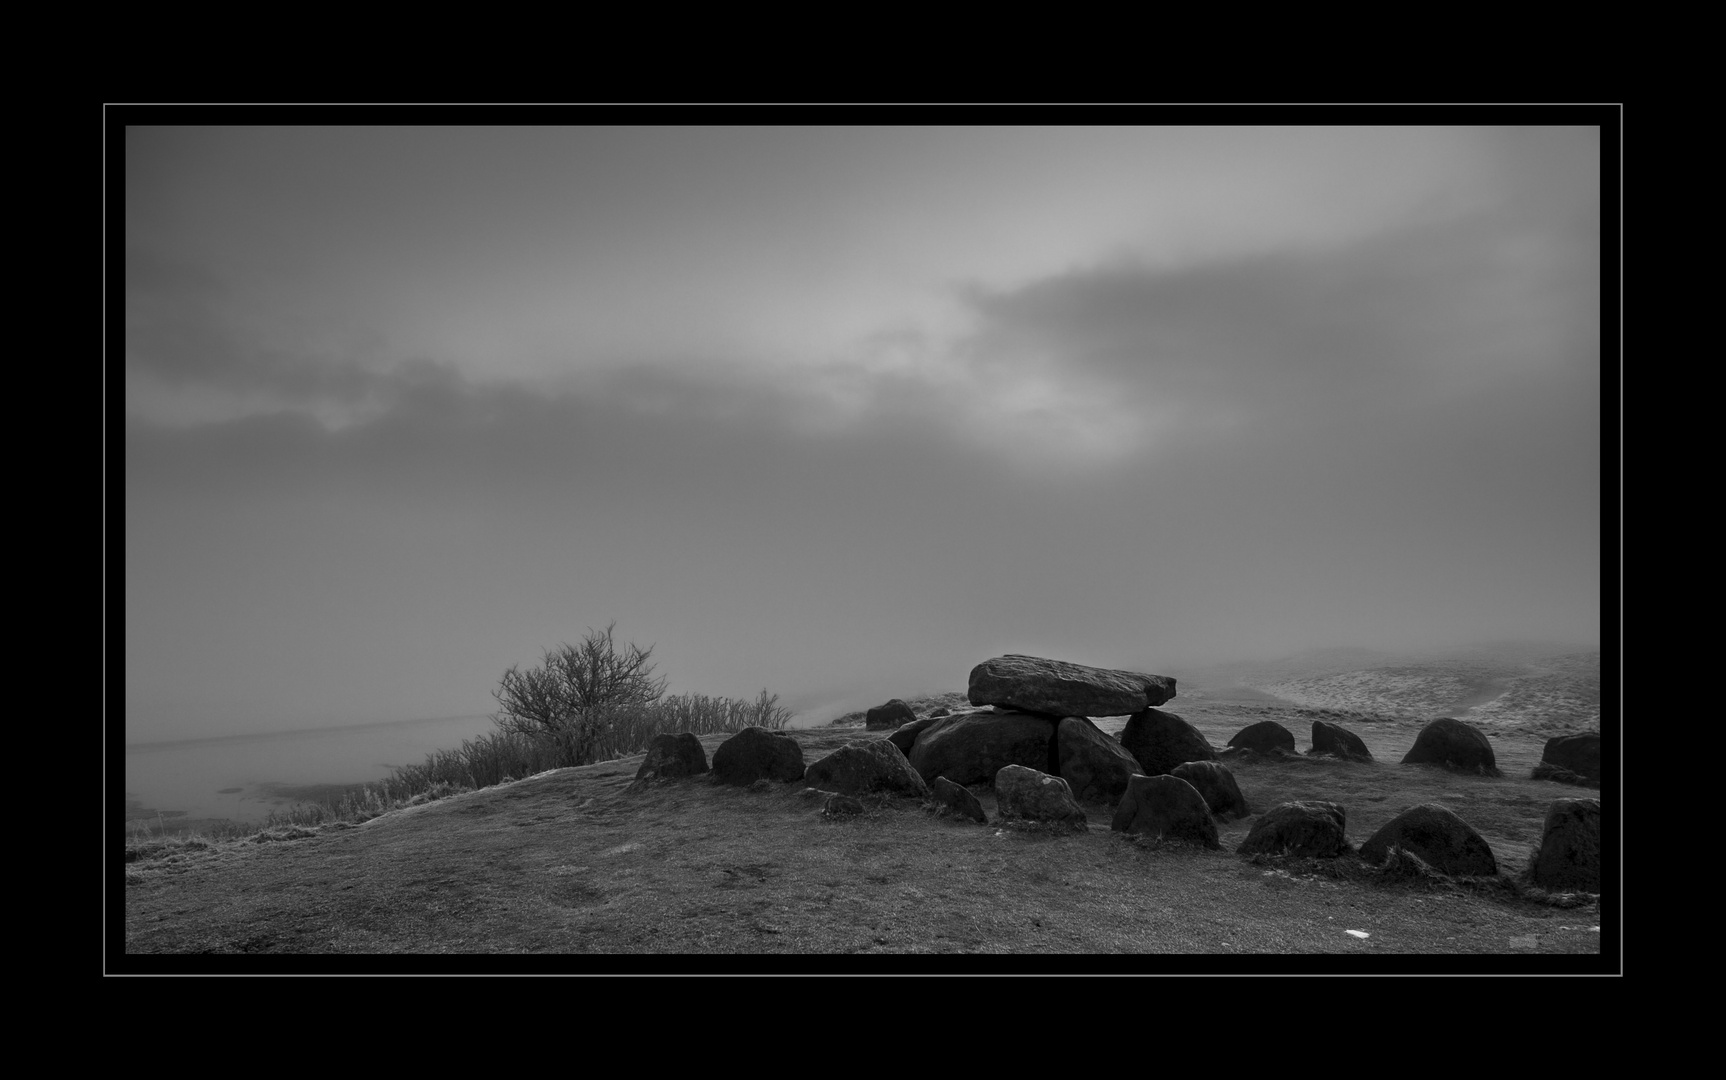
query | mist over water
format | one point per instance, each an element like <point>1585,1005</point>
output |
<point>244,777</point>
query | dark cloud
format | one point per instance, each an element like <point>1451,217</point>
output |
<point>186,331</point>
<point>1298,337</point>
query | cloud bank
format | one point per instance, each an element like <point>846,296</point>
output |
<point>1380,431</point>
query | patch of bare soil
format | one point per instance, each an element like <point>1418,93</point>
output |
<point>579,870</point>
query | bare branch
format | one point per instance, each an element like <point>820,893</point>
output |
<point>574,681</point>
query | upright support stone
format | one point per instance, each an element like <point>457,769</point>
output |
<point>1442,840</point>
<point>1579,754</point>
<point>1339,741</point>
<point>1032,795</point>
<point>1161,740</point>
<point>757,753</point>
<point>673,755</point>
<point>1166,806</point>
<point>861,768</point>
<point>971,747</point>
<point>1569,855</point>
<point>1095,765</point>
<point>1453,744</point>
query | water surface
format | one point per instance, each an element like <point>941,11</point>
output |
<point>244,777</point>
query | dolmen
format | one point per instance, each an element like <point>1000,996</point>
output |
<point>1035,713</point>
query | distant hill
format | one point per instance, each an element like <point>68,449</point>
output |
<point>1529,689</point>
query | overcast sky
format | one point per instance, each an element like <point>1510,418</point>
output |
<point>842,412</point>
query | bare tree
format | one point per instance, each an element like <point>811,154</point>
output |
<point>567,696</point>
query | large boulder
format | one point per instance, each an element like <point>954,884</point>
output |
<point>1167,807</point>
<point>1264,736</point>
<point>971,747</point>
<point>1217,784</point>
<point>1569,855</point>
<point>1454,745</point>
<point>672,756</point>
<point>1339,741</point>
<point>1442,840</point>
<point>757,753</point>
<point>1093,764</point>
<point>1312,828</point>
<point>1056,688</point>
<point>905,736</point>
<point>888,716</point>
<point>1161,740</point>
<point>958,798</point>
<point>1579,754</point>
<point>1029,795</point>
<point>862,767</point>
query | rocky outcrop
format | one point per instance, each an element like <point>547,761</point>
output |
<point>1438,837</point>
<point>1264,737</point>
<point>757,753</point>
<point>1023,794</point>
<point>1056,688</point>
<point>971,747</point>
<point>1338,741</point>
<point>862,767</point>
<point>1575,754</point>
<point>888,716</point>
<point>1166,807</point>
<point>1217,784</point>
<point>1454,745</point>
<point>670,756</point>
<point>1313,829</point>
<point>1094,765</point>
<point>1569,855</point>
<point>958,799</point>
<point>1161,740</point>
